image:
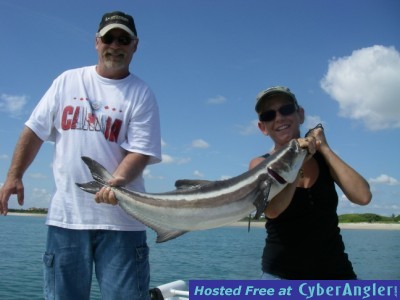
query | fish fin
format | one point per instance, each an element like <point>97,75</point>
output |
<point>261,201</point>
<point>166,235</point>
<point>258,203</point>
<point>318,126</point>
<point>99,173</point>
<point>185,184</point>
<point>91,187</point>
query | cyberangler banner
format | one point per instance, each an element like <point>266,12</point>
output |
<point>296,289</point>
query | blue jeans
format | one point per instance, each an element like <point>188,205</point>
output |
<point>120,258</point>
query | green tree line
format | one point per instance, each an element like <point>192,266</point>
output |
<point>368,218</point>
<point>33,210</point>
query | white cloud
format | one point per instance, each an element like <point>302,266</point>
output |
<point>367,86</point>
<point>12,104</point>
<point>384,179</point>
<point>37,192</point>
<point>250,129</point>
<point>199,143</point>
<point>216,100</point>
<point>147,174</point>
<point>182,161</point>
<point>311,122</point>
<point>39,176</point>
<point>197,173</point>
<point>3,156</point>
<point>40,198</point>
<point>168,159</point>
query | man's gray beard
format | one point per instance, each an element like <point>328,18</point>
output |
<point>114,65</point>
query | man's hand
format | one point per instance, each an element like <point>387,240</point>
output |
<point>106,194</point>
<point>11,187</point>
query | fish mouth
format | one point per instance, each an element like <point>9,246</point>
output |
<point>276,176</point>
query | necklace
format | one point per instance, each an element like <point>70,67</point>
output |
<point>301,172</point>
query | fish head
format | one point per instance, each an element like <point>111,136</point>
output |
<point>285,163</point>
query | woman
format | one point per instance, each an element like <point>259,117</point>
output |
<point>303,237</point>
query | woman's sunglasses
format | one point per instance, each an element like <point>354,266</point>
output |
<point>123,40</point>
<point>284,110</point>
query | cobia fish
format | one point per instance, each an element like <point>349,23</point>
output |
<point>198,205</point>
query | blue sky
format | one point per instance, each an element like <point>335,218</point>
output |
<point>206,61</point>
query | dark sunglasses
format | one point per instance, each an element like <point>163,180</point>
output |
<point>124,40</point>
<point>284,110</point>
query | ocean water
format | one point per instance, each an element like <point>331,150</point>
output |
<point>223,253</point>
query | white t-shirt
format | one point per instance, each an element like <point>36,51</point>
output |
<point>85,114</point>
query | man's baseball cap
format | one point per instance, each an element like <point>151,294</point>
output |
<point>117,19</point>
<point>272,91</point>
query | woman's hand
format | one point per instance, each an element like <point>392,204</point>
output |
<point>310,143</point>
<point>319,135</point>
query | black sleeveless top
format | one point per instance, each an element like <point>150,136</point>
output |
<point>304,241</point>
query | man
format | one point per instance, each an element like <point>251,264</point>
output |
<point>106,113</point>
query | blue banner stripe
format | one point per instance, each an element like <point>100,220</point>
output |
<point>296,289</point>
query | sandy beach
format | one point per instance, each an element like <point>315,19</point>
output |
<point>25,214</point>
<point>369,226</point>
<point>377,226</point>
